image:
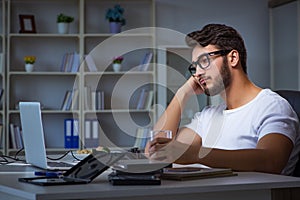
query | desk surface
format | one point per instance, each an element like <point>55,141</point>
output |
<point>101,189</point>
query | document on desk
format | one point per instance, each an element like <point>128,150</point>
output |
<point>189,173</point>
<point>139,165</point>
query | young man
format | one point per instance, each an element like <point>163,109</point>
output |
<point>253,130</point>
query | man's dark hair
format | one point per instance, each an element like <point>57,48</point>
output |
<point>222,36</point>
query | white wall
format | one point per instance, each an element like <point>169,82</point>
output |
<point>285,28</point>
<point>250,18</point>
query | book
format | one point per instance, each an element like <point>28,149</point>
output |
<point>1,62</point>
<point>99,100</point>
<point>96,99</point>
<point>87,98</point>
<point>138,138</point>
<point>93,100</point>
<point>15,137</point>
<point>1,136</point>
<point>90,63</point>
<point>1,94</point>
<point>12,138</point>
<point>190,173</point>
<point>145,137</point>
<point>144,66</point>
<point>87,129</point>
<point>65,100</point>
<point>71,132</point>
<point>68,133</point>
<point>75,134</point>
<point>70,101</point>
<point>18,137</point>
<point>70,62</point>
<point>75,63</point>
<point>142,99</point>
<point>66,62</point>
<point>141,137</point>
<point>92,130</point>
<point>149,100</point>
<point>74,100</point>
<point>95,133</point>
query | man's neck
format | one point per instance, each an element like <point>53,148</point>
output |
<point>240,92</point>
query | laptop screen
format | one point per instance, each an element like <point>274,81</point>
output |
<point>33,134</point>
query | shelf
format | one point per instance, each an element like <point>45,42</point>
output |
<point>118,35</point>
<point>43,35</point>
<point>48,85</point>
<point>119,73</point>
<point>23,73</point>
<point>117,111</point>
<point>45,111</point>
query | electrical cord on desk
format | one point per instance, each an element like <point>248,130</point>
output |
<point>4,160</point>
<point>64,155</point>
<point>11,159</point>
<point>61,157</point>
<point>19,151</point>
<point>75,156</point>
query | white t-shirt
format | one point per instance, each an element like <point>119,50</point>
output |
<point>242,128</point>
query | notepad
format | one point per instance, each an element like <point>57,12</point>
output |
<point>140,165</point>
<point>189,173</point>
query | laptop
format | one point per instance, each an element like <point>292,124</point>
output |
<point>82,173</point>
<point>33,138</point>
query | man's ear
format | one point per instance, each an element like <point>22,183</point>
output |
<point>233,58</point>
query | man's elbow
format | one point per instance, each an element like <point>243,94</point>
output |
<point>272,166</point>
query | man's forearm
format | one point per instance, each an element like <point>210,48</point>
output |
<point>170,119</point>
<point>241,160</point>
<point>266,157</point>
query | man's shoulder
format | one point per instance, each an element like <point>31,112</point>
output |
<point>273,102</point>
<point>269,96</point>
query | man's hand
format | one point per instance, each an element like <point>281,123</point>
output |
<point>171,151</point>
<point>192,86</point>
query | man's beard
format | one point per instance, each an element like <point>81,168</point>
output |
<point>221,82</point>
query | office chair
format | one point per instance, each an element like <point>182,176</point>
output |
<point>293,97</point>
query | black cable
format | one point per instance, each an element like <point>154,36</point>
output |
<point>6,160</point>
<point>64,155</point>
<point>19,151</point>
<point>75,156</point>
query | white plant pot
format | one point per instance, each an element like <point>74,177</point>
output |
<point>117,67</point>
<point>29,67</point>
<point>63,28</point>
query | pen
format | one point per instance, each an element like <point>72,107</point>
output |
<point>48,174</point>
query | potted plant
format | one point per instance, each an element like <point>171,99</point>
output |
<point>116,19</point>
<point>29,61</point>
<point>117,61</point>
<point>63,22</point>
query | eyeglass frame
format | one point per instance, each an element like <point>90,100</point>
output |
<point>193,66</point>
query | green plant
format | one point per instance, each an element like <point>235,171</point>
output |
<point>115,14</point>
<point>62,18</point>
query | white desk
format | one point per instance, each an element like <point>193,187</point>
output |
<point>247,185</point>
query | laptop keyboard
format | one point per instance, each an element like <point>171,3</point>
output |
<point>59,164</point>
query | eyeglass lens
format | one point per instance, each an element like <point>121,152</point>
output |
<point>203,60</point>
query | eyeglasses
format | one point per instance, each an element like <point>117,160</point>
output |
<point>204,61</point>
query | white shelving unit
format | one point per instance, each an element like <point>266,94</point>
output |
<point>89,34</point>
